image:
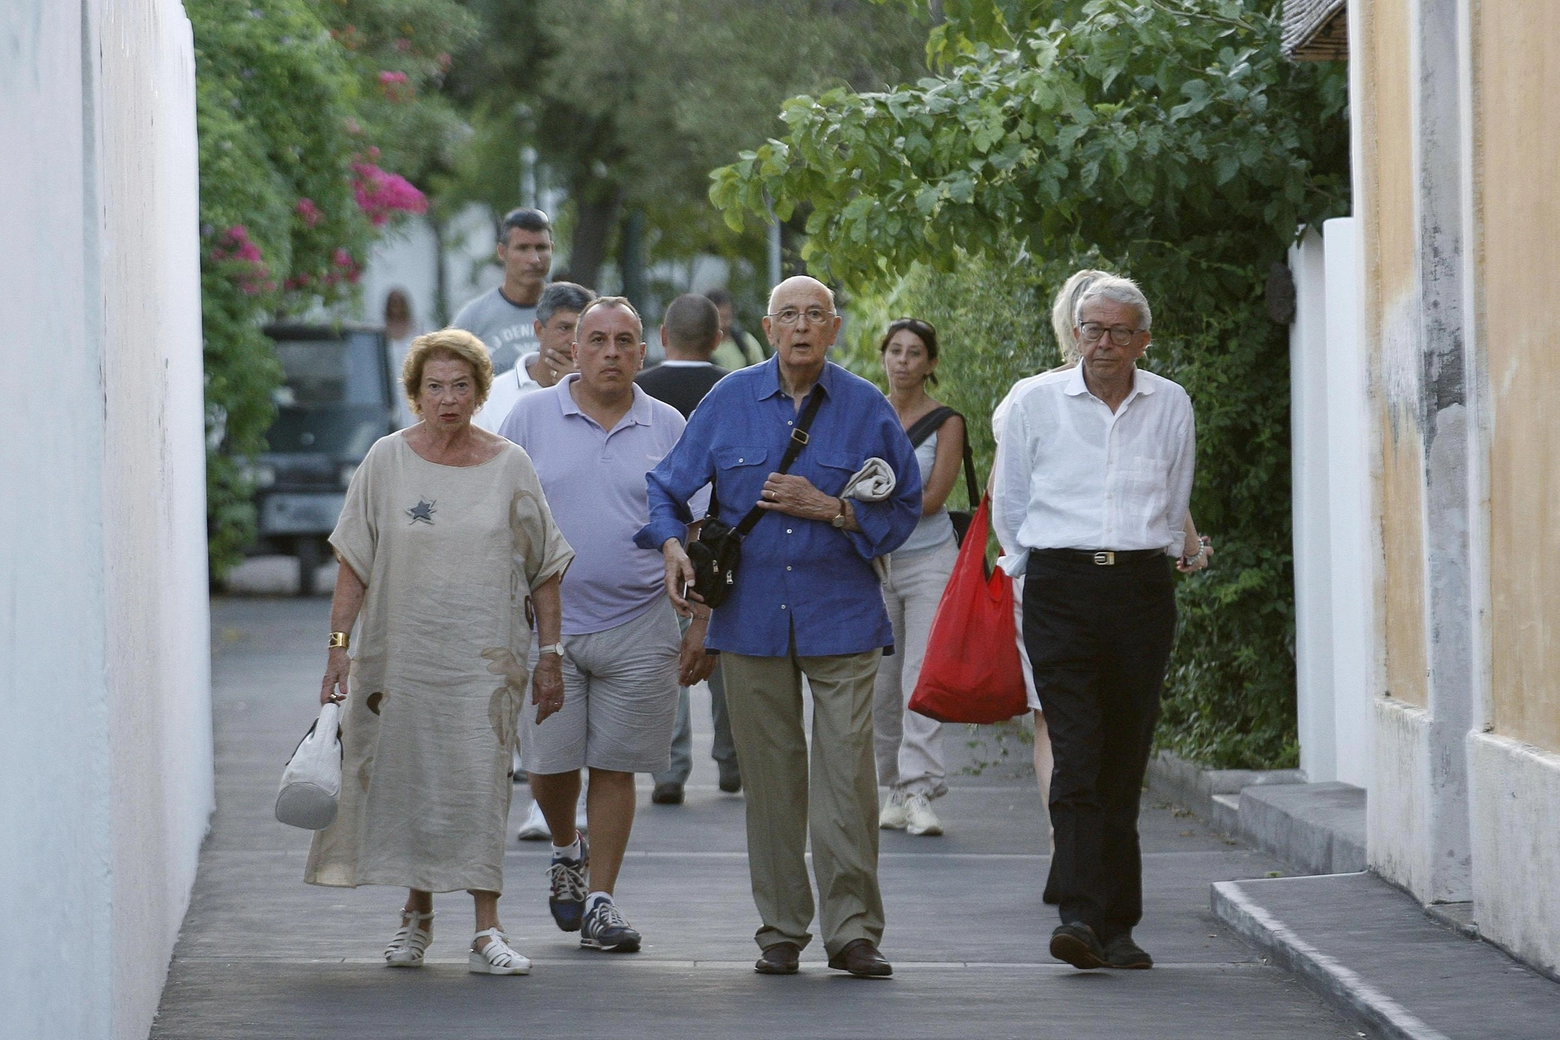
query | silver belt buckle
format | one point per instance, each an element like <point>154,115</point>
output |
<point>1104,558</point>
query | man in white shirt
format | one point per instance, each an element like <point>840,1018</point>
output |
<point>557,311</point>
<point>1093,478</point>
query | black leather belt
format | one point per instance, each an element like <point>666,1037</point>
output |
<point>1103,557</point>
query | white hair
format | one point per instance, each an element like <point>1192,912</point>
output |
<point>1117,290</point>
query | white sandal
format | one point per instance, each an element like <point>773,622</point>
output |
<point>497,957</point>
<point>410,940</point>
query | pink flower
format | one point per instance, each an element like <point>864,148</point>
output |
<point>403,44</point>
<point>309,211</point>
<point>397,86</point>
<point>381,195</point>
<point>353,126</point>
<point>253,276</point>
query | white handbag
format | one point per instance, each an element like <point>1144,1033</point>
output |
<point>311,782</point>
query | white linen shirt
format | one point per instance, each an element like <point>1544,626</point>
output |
<point>508,387</point>
<point>1070,474</point>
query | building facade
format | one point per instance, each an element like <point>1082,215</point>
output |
<point>1430,337</point>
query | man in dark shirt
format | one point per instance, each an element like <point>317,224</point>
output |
<point>690,332</point>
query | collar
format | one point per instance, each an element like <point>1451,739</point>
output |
<point>681,363</point>
<point>768,383</point>
<point>638,414</point>
<point>1076,387</point>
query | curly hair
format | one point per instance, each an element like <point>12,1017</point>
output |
<point>451,345</point>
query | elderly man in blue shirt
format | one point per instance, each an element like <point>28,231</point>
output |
<point>806,602</point>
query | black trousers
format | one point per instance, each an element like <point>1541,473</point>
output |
<point>1099,639</point>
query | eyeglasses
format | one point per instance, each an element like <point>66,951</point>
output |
<point>916,325</point>
<point>1120,335</point>
<point>790,316</point>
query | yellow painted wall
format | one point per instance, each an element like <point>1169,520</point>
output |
<point>1387,209</point>
<point>1517,169</point>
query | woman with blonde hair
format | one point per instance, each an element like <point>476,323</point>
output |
<point>447,553</point>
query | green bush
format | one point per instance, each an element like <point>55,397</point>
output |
<point>291,97</point>
<point>1229,699</point>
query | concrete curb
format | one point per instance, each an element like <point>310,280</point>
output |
<point>1316,828</point>
<point>1336,984</point>
<point>1186,783</point>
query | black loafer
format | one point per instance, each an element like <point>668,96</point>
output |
<point>779,959</point>
<point>730,777</point>
<point>1077,945</point>
<point>1122,952</point>
<point>667,794</point>
<point>862,959</point>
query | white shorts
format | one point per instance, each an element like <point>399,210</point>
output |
<point>619,700</point>
<point>1023,651</point>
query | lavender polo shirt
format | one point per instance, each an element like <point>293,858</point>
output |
<point>594,480</point>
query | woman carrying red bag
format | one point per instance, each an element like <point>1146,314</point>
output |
<point>909,746</point>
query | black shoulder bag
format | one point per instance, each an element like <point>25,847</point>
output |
<point>718,551</point>
<point>923,428</point>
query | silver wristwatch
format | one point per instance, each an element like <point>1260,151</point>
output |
<point>551,648</point>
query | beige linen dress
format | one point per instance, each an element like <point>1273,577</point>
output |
<point>449,555</point>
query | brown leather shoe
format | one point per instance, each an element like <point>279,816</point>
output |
<point>779,959</point>
<point>862,959</point>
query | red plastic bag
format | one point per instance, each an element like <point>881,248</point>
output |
<point>971,672</point>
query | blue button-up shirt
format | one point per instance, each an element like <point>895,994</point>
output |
<point>798,578</point>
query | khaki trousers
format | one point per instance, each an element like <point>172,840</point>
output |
<point>764,700</point>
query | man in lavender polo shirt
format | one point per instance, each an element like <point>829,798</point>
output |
<point>592,438</point>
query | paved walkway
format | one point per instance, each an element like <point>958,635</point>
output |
<point>263,955</point>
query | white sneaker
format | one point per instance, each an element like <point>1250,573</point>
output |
<point>892,816</point>
<point>579,814</point>
<point>919,818</point>
<point>535,826</point>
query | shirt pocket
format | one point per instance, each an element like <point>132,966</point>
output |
<point>835,469</point>
<point>728,458</point>
<point>739,477</point>
<point>1145,480</point>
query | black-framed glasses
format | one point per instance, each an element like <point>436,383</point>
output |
<point>1120,335</point>
<point>789,316</point>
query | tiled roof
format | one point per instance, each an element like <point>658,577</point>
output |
<point>1316,30</point>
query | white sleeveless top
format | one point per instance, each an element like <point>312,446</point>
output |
<point>937,528</point>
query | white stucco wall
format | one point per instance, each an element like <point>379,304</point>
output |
<point>1397,834</point>
<point>1351,547</point>
<point>1513,790</point>
<point>106,758</point>
<point>1308,427</point>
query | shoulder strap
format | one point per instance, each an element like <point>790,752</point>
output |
<point>928,424</point>
<point>794,448</point>
<point>971,485</point>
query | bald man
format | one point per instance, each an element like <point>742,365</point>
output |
<point>805,603</point>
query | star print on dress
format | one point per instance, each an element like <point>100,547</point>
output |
<point>422,511</point>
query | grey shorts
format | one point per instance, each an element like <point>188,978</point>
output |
<point>619,700</point>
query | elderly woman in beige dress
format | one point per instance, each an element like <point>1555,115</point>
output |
<point>448,553</point>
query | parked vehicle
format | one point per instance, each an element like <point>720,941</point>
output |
<point>336,399</point>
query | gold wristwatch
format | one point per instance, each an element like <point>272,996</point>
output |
<point>839,521</point>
